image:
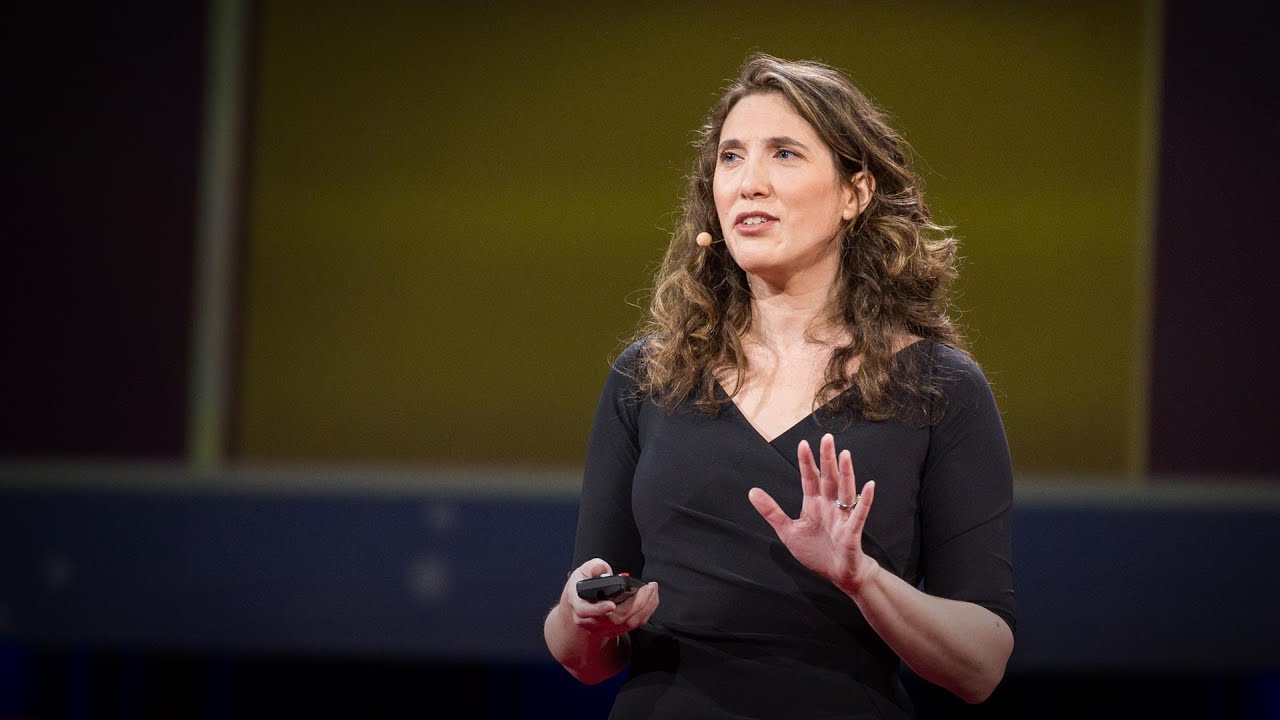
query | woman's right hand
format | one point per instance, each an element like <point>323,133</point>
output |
<point>605,618</point>
<point>590,638</point>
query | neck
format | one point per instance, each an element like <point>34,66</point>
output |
<point>792,318</point>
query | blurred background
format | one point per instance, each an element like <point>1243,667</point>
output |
<point>308,305</point>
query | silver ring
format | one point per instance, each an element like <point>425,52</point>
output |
<point>847,506</point>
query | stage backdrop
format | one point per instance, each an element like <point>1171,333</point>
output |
<point>452,214</point>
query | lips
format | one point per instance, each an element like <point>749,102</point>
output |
<point>752,223</point>
<point>764,218</point>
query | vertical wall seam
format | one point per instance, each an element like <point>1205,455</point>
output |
<point>1149,134</point>
<point>216,207</point>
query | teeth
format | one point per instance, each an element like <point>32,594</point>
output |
<point>754,220</point>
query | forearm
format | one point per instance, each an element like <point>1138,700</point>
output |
<point>589,658</point>
<point>960,646</point>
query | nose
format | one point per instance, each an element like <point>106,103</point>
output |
<point>755,179</point>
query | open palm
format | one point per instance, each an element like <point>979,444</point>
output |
<point>827,537</point>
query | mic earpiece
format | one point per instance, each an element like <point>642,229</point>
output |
<point>704,239</point>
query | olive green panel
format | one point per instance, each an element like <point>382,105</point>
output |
<point>452,213</point>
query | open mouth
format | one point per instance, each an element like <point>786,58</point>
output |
<point>750,223</point>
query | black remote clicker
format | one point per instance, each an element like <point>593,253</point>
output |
<point>609,587</point>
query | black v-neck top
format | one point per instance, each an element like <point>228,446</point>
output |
<point>743,630</point>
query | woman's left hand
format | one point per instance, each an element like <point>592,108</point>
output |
<point>827,537</point>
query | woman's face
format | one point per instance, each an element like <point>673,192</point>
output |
<point>778,194</point>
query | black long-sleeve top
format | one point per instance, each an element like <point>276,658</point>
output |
<point>743,630</point>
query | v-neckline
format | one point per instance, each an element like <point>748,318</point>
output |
<point>802,421</point>
<point>756,431</point>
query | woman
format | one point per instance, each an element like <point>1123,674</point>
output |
<point>800,308</point>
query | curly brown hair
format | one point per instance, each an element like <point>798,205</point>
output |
<point>896,265</point>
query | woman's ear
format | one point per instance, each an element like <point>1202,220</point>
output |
<point>863,184</point>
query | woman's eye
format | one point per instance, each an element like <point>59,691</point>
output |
<point>787,155</point>
<point>728,157</point>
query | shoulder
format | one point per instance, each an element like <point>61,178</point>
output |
<point>961,380</point>
<point>952,372</point>
<point>951,361</point>
<point>630,361</point>
<point>941,361</point>
<point>626,372</point>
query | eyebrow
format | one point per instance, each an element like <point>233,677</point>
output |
<point>773,142</point>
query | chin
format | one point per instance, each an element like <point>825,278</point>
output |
<point>752,260</point>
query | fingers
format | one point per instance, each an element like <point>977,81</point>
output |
<point>865,498</point>
<point>868,494</point>
<point>636,610</point>
<point>609,618</point>
<point>847,487</point>
<point>808,469</point>
<point>768,508</point>
<point>829,476</point>
<point>589,569</point>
